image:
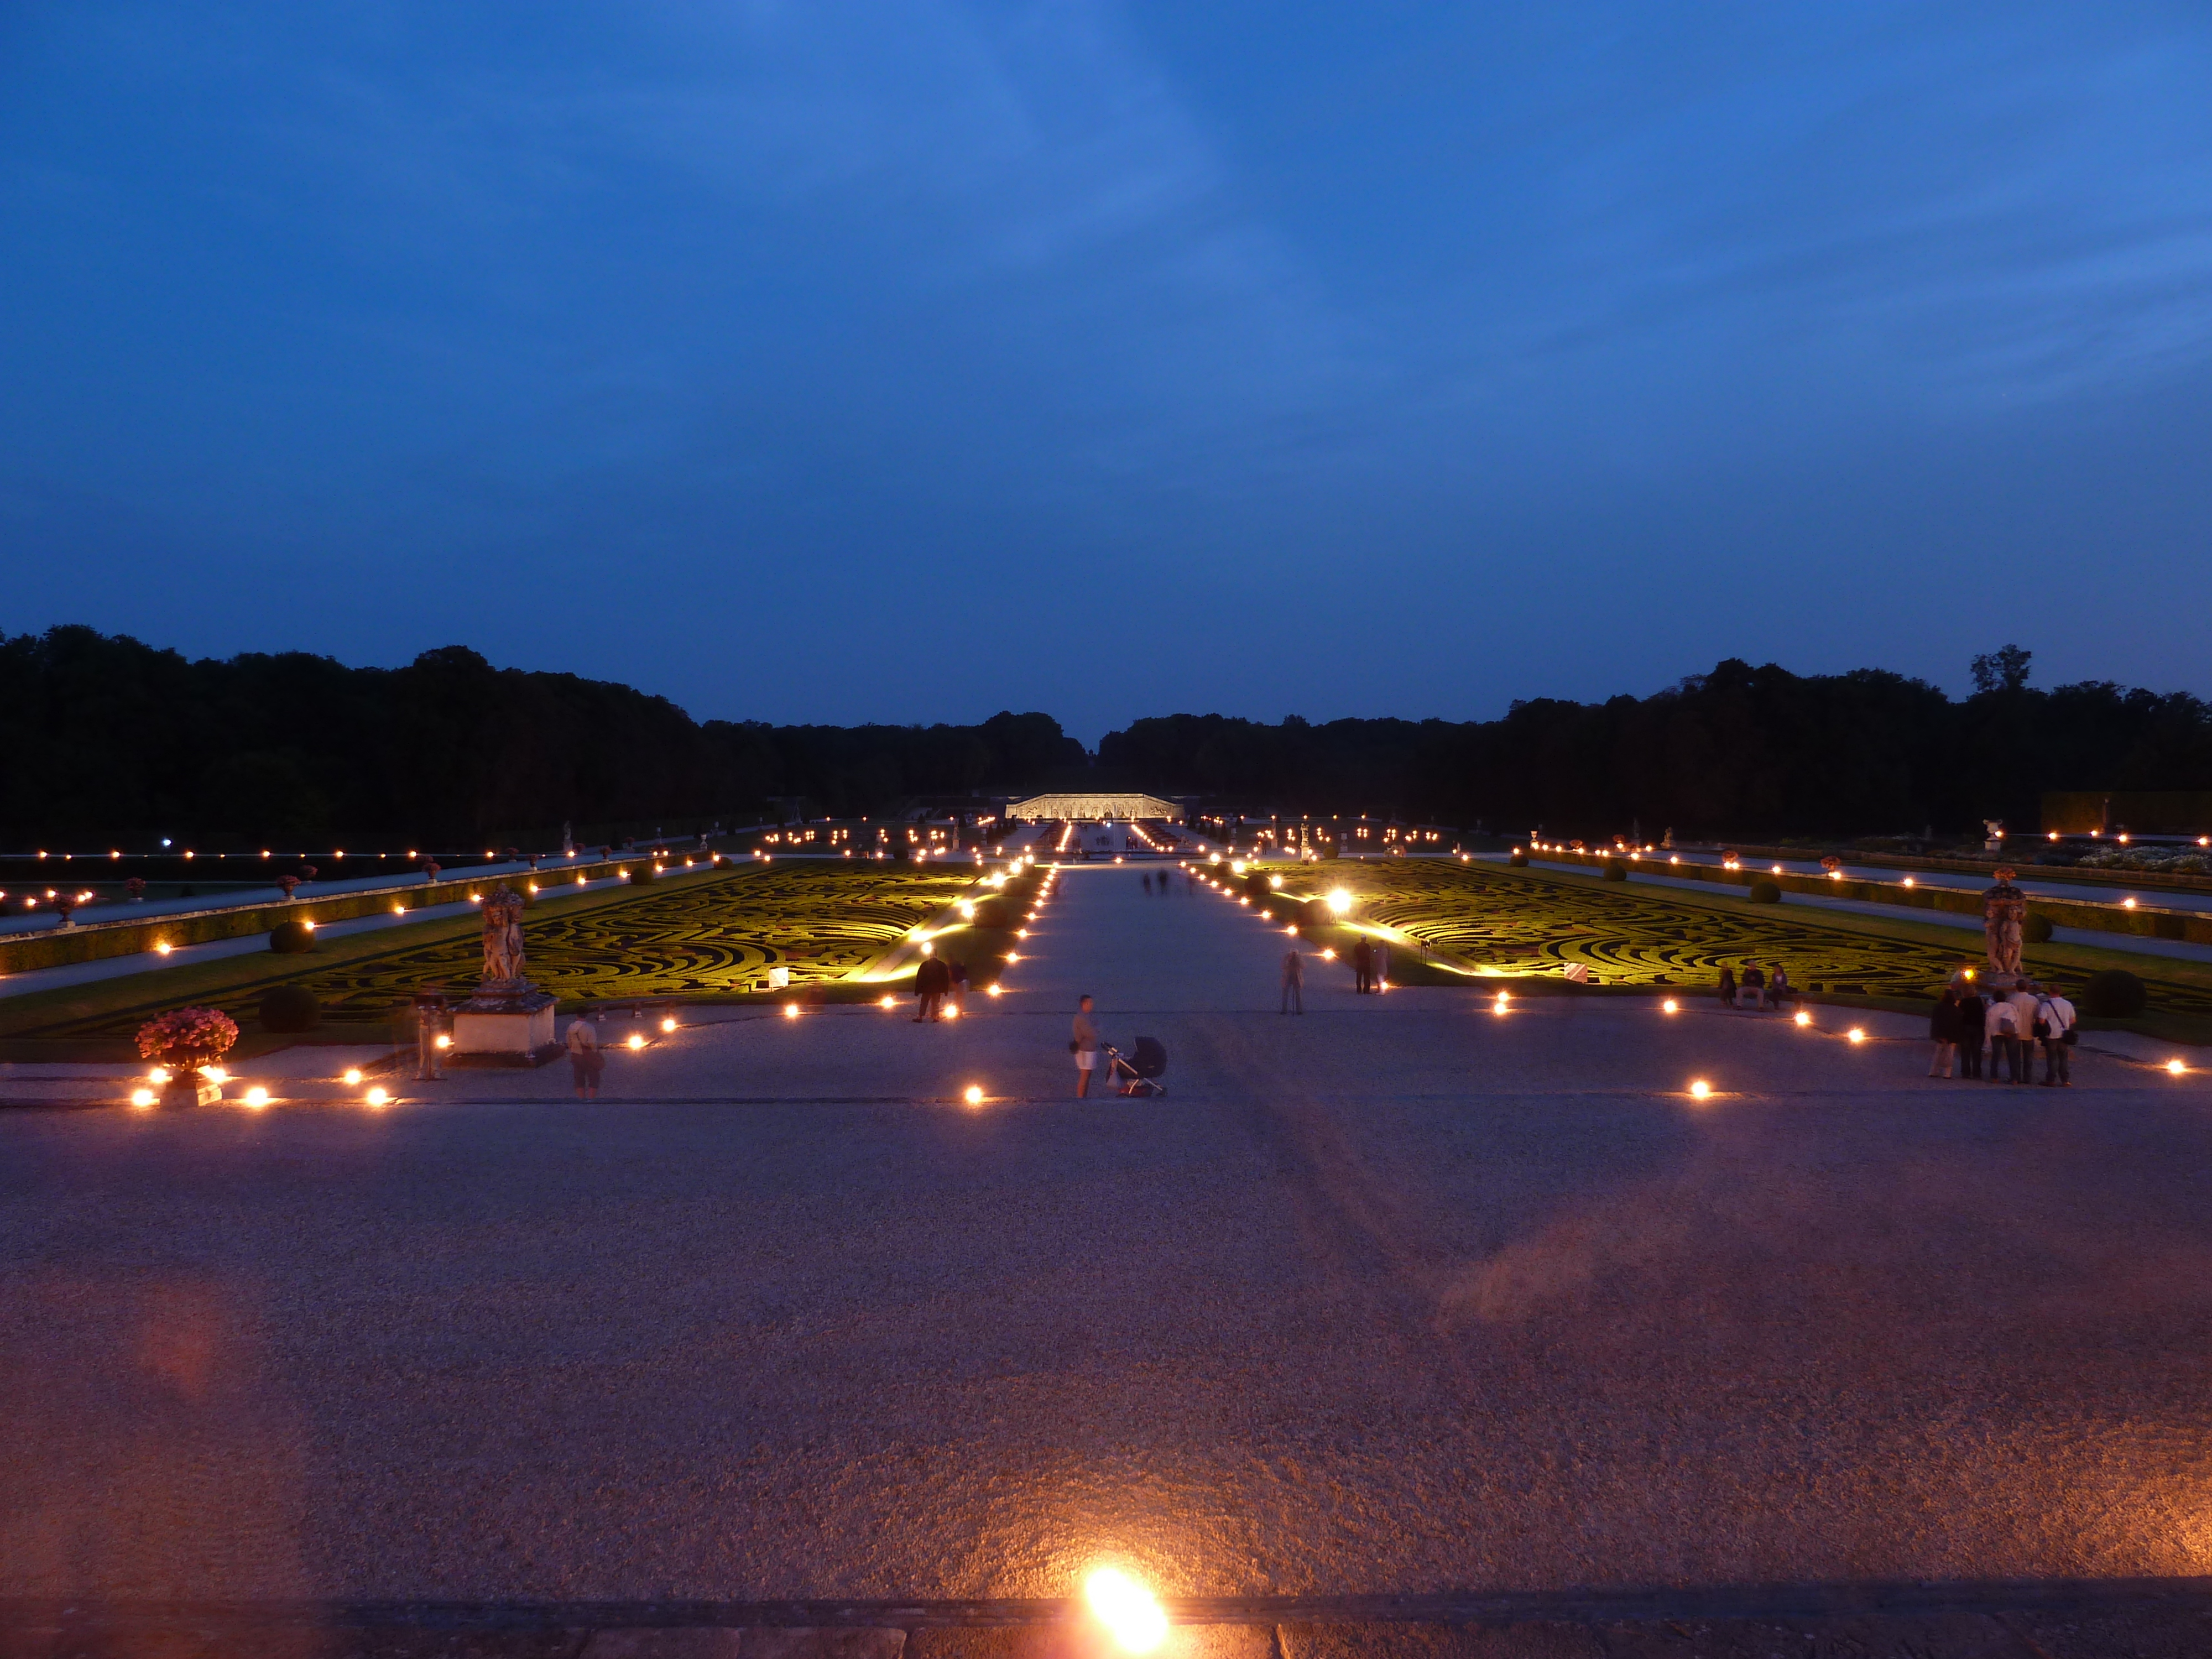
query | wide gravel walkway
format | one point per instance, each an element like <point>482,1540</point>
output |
<point>1404,1295</point>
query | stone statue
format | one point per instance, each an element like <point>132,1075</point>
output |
<point>502,937</point>
<point>2004,908</point>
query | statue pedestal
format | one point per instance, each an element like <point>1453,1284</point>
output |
<point>501,1027</point>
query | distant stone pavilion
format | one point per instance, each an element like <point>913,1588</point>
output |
<point>1096,808</point>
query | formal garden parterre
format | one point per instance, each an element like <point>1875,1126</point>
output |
<point>709,936</point>
<point>1485,921</point>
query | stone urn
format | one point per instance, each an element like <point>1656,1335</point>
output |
<point>186,1086</point>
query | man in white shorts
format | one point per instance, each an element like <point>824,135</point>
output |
<point>1085,1046</point>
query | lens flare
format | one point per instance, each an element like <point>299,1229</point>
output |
<point>974,1095</point>
<point>1700,1090</point>
<point>378,1097</point>
<point>1855,1034</point>
<point>1132,1616</point>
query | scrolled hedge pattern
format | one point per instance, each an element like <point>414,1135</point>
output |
<point>700,937</point>
<point>1526,923</point>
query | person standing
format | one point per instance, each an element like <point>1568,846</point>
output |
<point>2056,1023</point>
<point>2024,1000</point>
<point>955,987</point>
<point>1083,1043</point>
<point>1971,1014</point>
<point>1294,981</point>
<point>585,1062</point>
<point>2003,1024</point>
<point>1362,966</point>
<point>1944,1030</point>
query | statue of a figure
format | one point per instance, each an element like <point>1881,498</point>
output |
<point>2004,908</point>
<point>502,936</point>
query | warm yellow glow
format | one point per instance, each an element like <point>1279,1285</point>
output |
<point>2127,904</point>
<point>1803,1019</point>
<point>1340,901</point>
<point>635,1040</point>
<point>443,1043</point>
<point>1021,933</point>
<point>1699,1089</point>
<point>973,1095</point>
<point>309,926</point>
<point>2176,1068</point>
<point>791,1011</point>
<point>352,1078</point>
<point>257,1097</point>
<point>887,1002</point>
<point>142,1097</point>
<point>377,1097</point>
<point>1908,881</point>
<point>1328,956</point>
<point>163,947</point>
<point>399,909</point>
<point>1013,956</point>
<point>1130,1613</point>
<point>1857,1034</point>
<point>953,1012</point>
<point>159,1074</point>
<point>1777,869</point>
<point>669,1024</point>
<point>991,990</point>
<point>1670,1006</point>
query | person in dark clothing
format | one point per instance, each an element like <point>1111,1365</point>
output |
<point>1968,1016</point>
<point>1943,1031</point>
<point>1756,982</point>
<point>931,981</point>
<point>1727,987</point>
<point>1363,967</point>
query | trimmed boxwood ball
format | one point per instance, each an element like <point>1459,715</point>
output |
<point>642,872</point>
<point>2036,930</point>
<point>289,1008</point>
<point>291,937</point>
<point>1518,859</point>
<point>2115,993</point>
<point>1255,885</point>
<point>1317,913</point>
<point>1764,891</point>
<point>1615,870</point>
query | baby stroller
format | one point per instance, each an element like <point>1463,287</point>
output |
<point>1140,1073</point>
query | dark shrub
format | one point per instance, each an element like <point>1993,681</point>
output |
<point>1616,870</point>
<point>1255,885</point>
<point>1518,859</point>
<point>289,1008</point>
<point>1764,891</point>
<point>1317,913</point>
<point>2115,993</point>
<point>642,872</point>
<point>291,937</point>
<point>2036,930</point>
<point>2170,926</point>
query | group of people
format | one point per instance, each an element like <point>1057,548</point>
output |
<point>1758,987</point>
<point>1969,1024</point>
<point>1158,884</point>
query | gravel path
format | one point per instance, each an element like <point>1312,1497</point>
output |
<point>1400,1297</point>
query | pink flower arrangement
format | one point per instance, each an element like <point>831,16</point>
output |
<point>188,1036</point>
<point>135,888</point>
<point>288,882</point>
<point>431,868</point>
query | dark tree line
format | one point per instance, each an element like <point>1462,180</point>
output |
<point>111,740</point>
<point>1739,751</point>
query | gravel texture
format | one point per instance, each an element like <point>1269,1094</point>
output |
<point>1400,1297</point>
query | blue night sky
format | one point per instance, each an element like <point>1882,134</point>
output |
<point>909,361</point>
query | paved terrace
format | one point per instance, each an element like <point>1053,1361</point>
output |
<point>1403,1299</point>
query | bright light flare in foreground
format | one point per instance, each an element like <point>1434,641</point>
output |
<point>1137,1621</point>
<point>257,1097</point>
<point>2176,1068</point>
<point>378,1097</point>
<point>886,1002</point>
<point>668,1025</point>
<point>635,1040</point>
<point>1700,1090</point>
<point>1670,1006</point>
<point>1857,1034</point>
<point>1803,1018</point>
<point>1340,901</point>
<point>142,1097</point>
<point>790,1012</point>
<point>352,1078</point>
<point>973,1095</point>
